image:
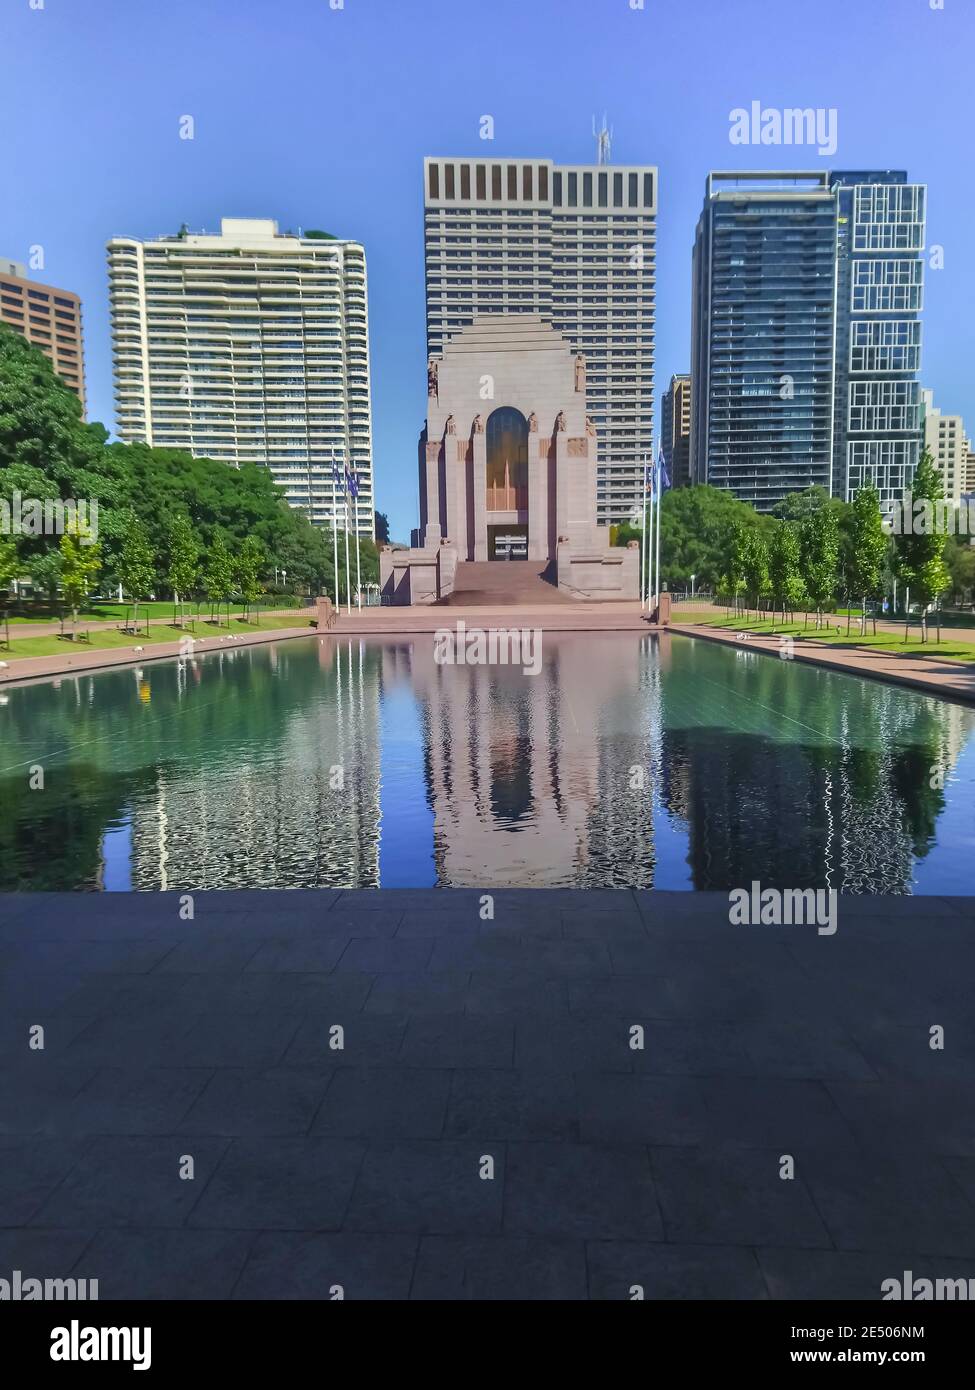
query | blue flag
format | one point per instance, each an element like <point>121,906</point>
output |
<point>352,481</point>
<point>662,471</point>
<point>337,474</point>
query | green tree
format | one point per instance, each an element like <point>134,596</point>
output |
<point>736,560</point>
<point>866,552</point>
<point>755,566</point>
<point>919,549</point>
<point>47,451</point>
<point>819,556</point>
<point>135,566</point>
<point>250,562</point>
<point>959,557</point>
<point>382,528</point>
<point>182,559</point>
<point>784,577</point>
<point>9,571</point>
<point>44,568</point>
<point>800,506</point>
<point>80,566</point>
<point>218,576</point>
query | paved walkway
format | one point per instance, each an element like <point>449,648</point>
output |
<point>950,679</point>
<point>567,616</point>
<point>589,1092</point>
<point>24,670</point>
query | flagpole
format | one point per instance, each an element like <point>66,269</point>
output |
<point>348,577</point>
<point>335,532</point>
<point>648,528</point>
<point>643,540</point>
<point>656,567</point>
<point>358,573</point>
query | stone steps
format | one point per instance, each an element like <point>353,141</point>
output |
<point>504,583</point>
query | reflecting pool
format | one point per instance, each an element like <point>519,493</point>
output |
<point>628,760</point>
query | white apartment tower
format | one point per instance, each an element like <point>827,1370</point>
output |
<point>575,244</point>
<point>249,347</point>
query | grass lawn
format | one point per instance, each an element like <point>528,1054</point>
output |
<point>117,612</point>
<point>946,650</point>
<point>21,647</point>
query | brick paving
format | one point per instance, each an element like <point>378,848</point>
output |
<point>487,1129</point>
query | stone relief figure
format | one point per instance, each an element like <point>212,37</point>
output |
<point>433,384</point>
<point>560,422</point>
<point>590,427</point>
<point>478,425</point>
<point>451,425</point>
<point>533,423</point>
<point>580,371</point>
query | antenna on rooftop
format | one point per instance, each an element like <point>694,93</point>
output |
<point>604,138</point>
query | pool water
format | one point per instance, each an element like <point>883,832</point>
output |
<point>628,760</point>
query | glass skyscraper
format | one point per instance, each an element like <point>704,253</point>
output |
<point>805,336</point>
<point>880,286</point>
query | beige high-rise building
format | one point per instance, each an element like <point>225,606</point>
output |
<point>48,317</point>
<point>575,244</point>
<point>250,346</point>
<point>948,445</point>
<point>970,470</point>
<point>675,429</point>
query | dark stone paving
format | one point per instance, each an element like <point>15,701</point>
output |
<point>380,1092</point>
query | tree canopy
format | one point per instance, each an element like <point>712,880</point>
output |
<point>47,451</point>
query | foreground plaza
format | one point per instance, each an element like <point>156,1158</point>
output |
<point>488,1129</point>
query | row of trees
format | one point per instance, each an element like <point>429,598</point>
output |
<point>811,552</point>
<point>169,524</point>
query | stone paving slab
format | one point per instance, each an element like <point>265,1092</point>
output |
<point>381,1090</point>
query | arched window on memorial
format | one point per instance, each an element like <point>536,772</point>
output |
<point>506,443</point>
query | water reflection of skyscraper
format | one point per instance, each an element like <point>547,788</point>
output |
<point>295,807</point>
<point>818,782</point>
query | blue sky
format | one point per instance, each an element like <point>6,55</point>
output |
<point>321,118</point>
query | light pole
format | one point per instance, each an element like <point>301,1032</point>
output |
<point>693,577</point>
